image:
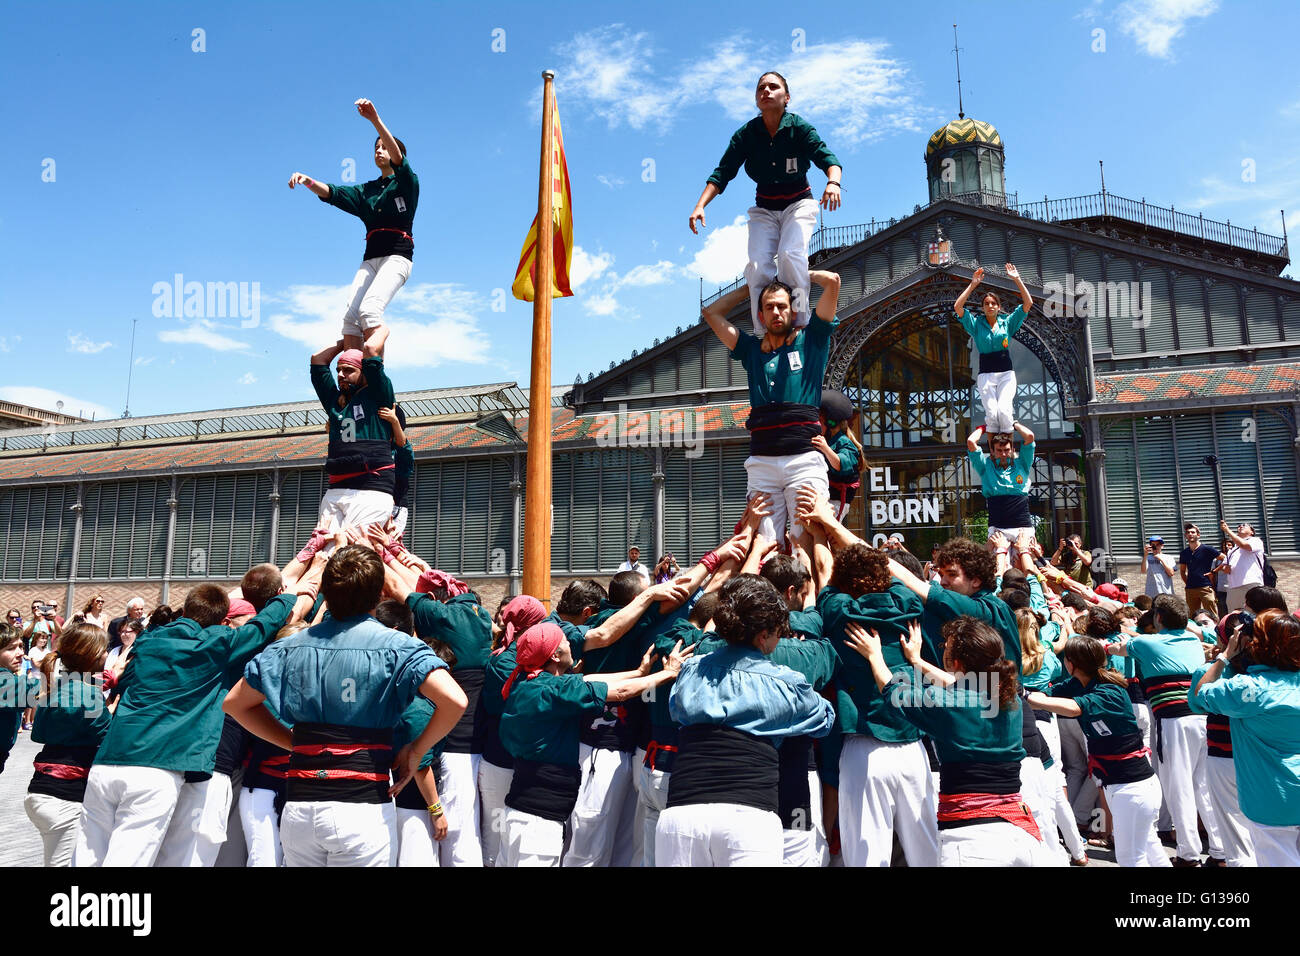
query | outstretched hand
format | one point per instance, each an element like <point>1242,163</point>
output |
<point>301,179</point>
<point>677,657</point>
<point>866,643</point>
<point>367,109</point>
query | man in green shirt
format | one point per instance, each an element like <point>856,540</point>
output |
<point>785,371</point>
<point>1005,478</point>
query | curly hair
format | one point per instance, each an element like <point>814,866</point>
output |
<point>860,570</point>
<point>980,650</point>
<point>1101,623</point>
<point>1276,640</point>
<point>748,605</point>
<point>975,562</point>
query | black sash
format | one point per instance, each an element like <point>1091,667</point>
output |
<point>339,763</point>
<point>545,790</point>
<point>717,764</point>
<point>494,751</point>
<point>61,771</point>
<point>973,777</point>
<point>782,428</point>
<point>794,797</point>
<point>468,734</point>
<point>1009,511</point>
<point>992,362</point>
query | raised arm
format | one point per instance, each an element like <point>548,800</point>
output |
<point>302,179</point>
<point>367,109</point>
<point>830,283</point>
<point>621,621</point>
<point>1025,434</point>
<point>960,305</point>
<point>327,354</point>
<point>973,439</point>
<point>716,315</point>
<point>1026,299</point>
<point>815,508</point>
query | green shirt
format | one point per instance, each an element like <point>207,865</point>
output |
<point>75,716</point>
<point>169,715</point>
<point>411,724</point>
<point>1013,479</point>
<point>459,622</point>
<point>386,203</point>
<point>942,605</point>
<point>681,629</point>
<point>544,716</point>
<point>791,374</point>
<point>778,164</point>
<point>360,416</point>
<point>996,337</point>
<point>843,446</point>
<point>17,691</point>
<point>965,722</point>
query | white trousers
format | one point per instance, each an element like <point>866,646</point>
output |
<point>261,827</point>
<point>1142,714</point>
<point>1276,846</point>
<point>1012,535</point>
<point>1133,811</point>
<point>459,792</point>
<point>808,847</point>
<point>1062,814</point>
<point>198,827</point>
<point>333,833</point>
<point>1036,787</point>
<point>997,843</point>
<point>373,287</point>
<point>718,834</point>
<point>351,507</point>
<point>886,789</point>
<point>653,796</point>
<point>1234,828</point>
<point>415,843</point>
<point>530,841</point>
<point>58,821</point>
<point>125,814</point>
<point>1074,764</point>
<point>604,810</point>
<point>1182,779</point>
<point>778,249</point>
<point>493,785</point>
<point>780,477</point>
<point>998,395</point>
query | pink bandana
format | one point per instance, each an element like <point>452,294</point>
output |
<point>440,579</point>
<point>351,357</point>
<point>535,647</point>
<point>520,614</point>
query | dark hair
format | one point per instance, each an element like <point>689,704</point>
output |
<point>776,285</point>
<point>860,570</point>
<point>778,76</point>
<point>1002,438</point>
<point>1101,623</point>
<point>748,605</point>
<point>1128,612</point>
<point>162,614</point>
<point>910,561</point>
<point>400,145</point>
<point>1146,624</point>
<point>1087,654</point>
<point>1014,598</point>
<point>624,587</point>
<point>785,572</point>
<point>261,583</point>
<point>207,605</point>
<point>135,627</point>
<point>1143,602</point>
<point>1015,578</point>
<point>996,298</point>
<point>1259,599</point>
<point>580,595</point>
<point>442,649</point>
<point>704,609</point>
<point>1171,610</point>
<point>9,636</point>
<point>975,562</point>
<point>397,615</point>
<point>1276,640</point>
<point>981,651</point>
<point>353,581</point>
<point>1190,525</point>
<point>1074,601</point>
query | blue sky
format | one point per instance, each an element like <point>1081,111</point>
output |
<point>131,158</point>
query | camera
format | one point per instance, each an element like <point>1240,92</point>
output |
<point>45,609</point>
<point>1245,621</point>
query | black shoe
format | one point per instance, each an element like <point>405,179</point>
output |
<point>1215,862</point>
<point>1178,861</point>
<point>1167,838</point>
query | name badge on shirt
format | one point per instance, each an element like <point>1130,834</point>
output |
<point>796,361</point>
<point>358,412</point>
<point>401,203</point>
<point>791,165</point>
<point>1101,728</point>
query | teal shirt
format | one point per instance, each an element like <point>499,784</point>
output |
<point>1047,673</point>
<point>360,416</point>
<point>791,374</point>
<point>460,622</point>
<point>807,623</point>
<point>942,605</point>
<point>997,337</point>
<point>412,723</point>
<point>76,715</point>
<point>843,446</point>
<point>385,203</point>
<point>965,723</point>
<point>778,164</point>
<point>1014,479</point>
<point>1264,704</point>
<point>169,715</point>
<point>1167,653</point>
<point>576,634</point>
<point>17,691</point>
<point>858,702</point>
<point>544,716</point>
<point>681,629</point>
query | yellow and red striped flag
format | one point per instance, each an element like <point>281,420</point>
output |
<point>562,215</point>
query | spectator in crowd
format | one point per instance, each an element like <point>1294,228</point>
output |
<point>93,612</point>
<point>1264,704</point>
<point>1194,565</point>
<point>666,569</point>
<point>1074,559</point>
<point>1158,567</point>
<point>127,633</point>
<point>134,612</point>
<point>45,620</point>
<point>1244,561</point>
<point>633,563</point>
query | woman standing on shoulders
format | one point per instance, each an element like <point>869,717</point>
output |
<point>992,333</point>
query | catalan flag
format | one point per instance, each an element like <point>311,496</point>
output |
<point>562,214</point>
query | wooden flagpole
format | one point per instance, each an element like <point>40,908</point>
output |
<point>537,528</point>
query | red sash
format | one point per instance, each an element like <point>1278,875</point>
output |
<point>982,806</point>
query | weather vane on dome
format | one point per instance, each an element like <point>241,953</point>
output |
<point>957,53</point>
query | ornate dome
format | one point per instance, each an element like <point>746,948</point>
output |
<point>962,131</point>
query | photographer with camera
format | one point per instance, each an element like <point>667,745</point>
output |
<point>1074,559</point>
<point>45,620</point>
<point>1158,567</point>
<point>1244,562</point>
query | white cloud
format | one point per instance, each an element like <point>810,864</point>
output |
<point>603,303</point>
<point>4,342</point>
<point>200,333</point>
<point>1155,24</point>
<point>853,88</point>
<point>80,343</point>
<point>613,182</point>
<point>248,378</point>
<point>584,266</point>
<point>724,254</point>
<point>431,323</point>
<point>643,275</point>
<point>48,399</point>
